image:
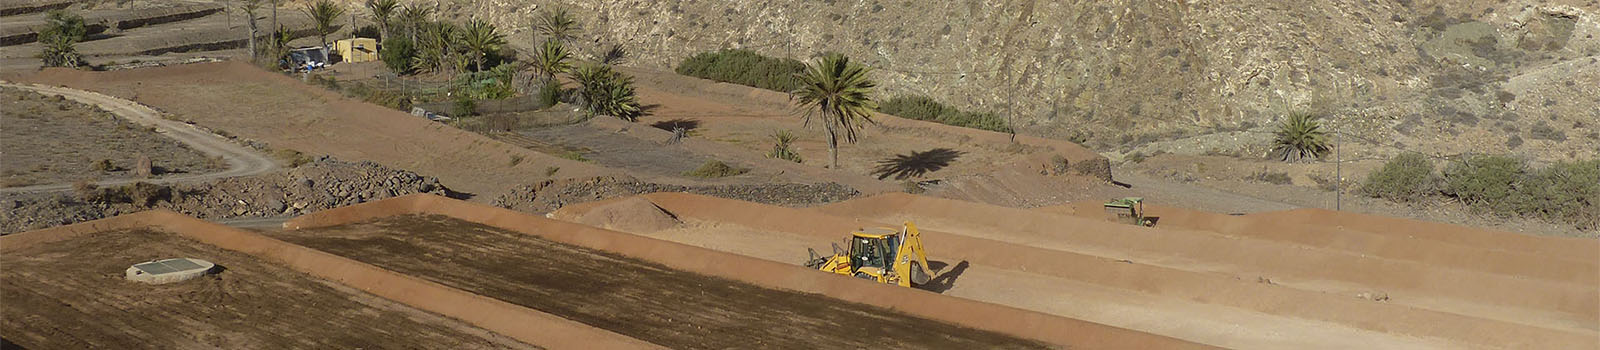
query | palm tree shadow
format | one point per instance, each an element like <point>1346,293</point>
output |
<point>915,164</point>
<point>946,280</point>
<point>679,123</point>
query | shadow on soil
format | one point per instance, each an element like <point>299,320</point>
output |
<point>669,125</point>
<point>906,166</point>
<point>945,280</point>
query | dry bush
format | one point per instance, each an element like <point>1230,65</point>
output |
<point>1407,177</point>
<point>1276,178</point>
<point>715,169</point>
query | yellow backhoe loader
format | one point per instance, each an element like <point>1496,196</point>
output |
<point>885,255</point>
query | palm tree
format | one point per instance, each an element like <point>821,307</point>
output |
<point>250,7</point>
<point>275,21</point>
<point>839,92</point>
<point>556,24</point>
<point>603,91</point>
<point>412,18</point>
<point>1300,138</point>
<point>480,39</point>
<point>551,59</point>
<point>324,12</point>
<point>60,36</point>
<point>436,46</point>
<point>382,11</point>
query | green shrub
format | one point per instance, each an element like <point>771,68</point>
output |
<point>744,67</point>
<point>1488,182</point>
<point>397,54</point>
<point>1565,191</point>
<point>780,147</point>
<point>464,107</point>
<point>715,169</point>
<point>1407,177</point>
<point>548,95</point>
<point>926,108</point>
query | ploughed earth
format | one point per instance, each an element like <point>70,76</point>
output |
<point>631,297</point>
<point>71,295</point>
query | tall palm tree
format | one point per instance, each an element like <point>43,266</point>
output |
<point>275,21</point>
<point>412,18</point>
<point>556,23</point>
<point>324,13</point>
<point>382,11</point>
<point>436,46</point>
<point>839,92</point>
<point>480,39</point>
<point>250,7</point>
<point>551,59</point>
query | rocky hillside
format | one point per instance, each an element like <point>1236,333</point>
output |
<point>1442,77</point>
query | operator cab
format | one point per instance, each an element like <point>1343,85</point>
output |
<point>873,247</point>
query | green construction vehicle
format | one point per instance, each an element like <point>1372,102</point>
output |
<point>1129,210</point>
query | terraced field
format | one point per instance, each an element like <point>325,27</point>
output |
<point>1298,279</point>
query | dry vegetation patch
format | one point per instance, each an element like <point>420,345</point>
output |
<point>49,139</point>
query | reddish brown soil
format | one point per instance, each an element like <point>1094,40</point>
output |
<point>639,299</point>
<point>281,111</point>
<point>1229,290</point>
<point>71,295</point>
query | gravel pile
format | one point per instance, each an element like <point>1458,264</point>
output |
<point>322,184</point>
<point>548,196</point>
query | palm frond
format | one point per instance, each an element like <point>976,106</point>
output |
<point>1300,138</point>
<point>556,23</point>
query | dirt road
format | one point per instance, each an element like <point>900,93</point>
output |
<point>241,161</point>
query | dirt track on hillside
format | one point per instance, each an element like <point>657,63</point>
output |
<point>1405,291</point>
<point>241,161</point>
<point>639,299</point>
<point>284,113</point>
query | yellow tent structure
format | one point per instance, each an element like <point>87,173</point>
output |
<point>357,49</point>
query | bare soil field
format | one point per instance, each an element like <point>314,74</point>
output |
<point>635,298</point>
<point>953,162</point>
<point>1258,285</point>
<point>48,139</point>
<point>285,113</point>
<point>71,294</point>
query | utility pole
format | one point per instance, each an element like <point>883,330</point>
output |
<point>1338,166</point>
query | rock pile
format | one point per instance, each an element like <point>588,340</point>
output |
<point>322,184</point>
<point>550,195</point>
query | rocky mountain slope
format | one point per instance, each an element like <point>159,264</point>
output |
<point>1443,77</point>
